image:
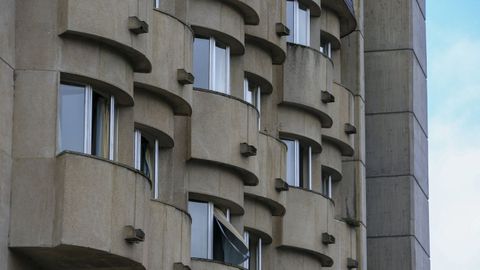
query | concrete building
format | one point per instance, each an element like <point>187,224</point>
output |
<point>213,134</point>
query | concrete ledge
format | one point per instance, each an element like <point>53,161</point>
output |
<point>258,219</point>
<point>300,125</point>
<point>249,9</point>
<point>205,264</point>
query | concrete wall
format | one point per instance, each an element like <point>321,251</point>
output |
<point>396,129</point>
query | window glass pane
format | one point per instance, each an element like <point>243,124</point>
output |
<point>199,240</point>
<point>290,20</point>
<point>72,118</point>
<point>303,25</point>
<point>221,68</point>
<point>100,125</point>
<point>201,62</point>
<point>290,162</point>
<point>247,93</point>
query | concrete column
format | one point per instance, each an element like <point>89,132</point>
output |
<point>396,132</point>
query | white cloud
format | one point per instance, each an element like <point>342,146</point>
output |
<point>454,144</point>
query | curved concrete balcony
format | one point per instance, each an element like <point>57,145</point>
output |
<point>87,19</point>
<point>218,19</point>
<point>332,160</point>
<point>155,116</point>
<point>345,11</point>
<point>93,201</point>
<point>307,217</point>
<point>345,243</point>
<point>258,220</point>
<point>330,25</point>
<point>101,67</point>
<point>170,49</point>
<point>168,227</point>
<point>220,124</point>
<point>271,162</point>
<point>203,264</point>
<point>307,73</point>
<point>342,113</point>
<point>297,124</point>
<point>216,184</point>
<point>265,33</point>
<point>258,67</point>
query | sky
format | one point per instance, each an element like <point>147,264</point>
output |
<point>453,44</point>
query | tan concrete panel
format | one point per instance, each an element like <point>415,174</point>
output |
<point>100,63</point>
<point>170,49</point>
<point>37,43</point>
<point>5,187</point>
<point>271,162</point>
<point>298,124</point>
<point>213,17</point>
<point>342,112</point>
<point>308,216</point>
<point>345,11</point>
<point>7,32</point>
<point>271,12</point>
<point>87,19</point>
<point>258,67</point>
<point>200,264</point>
<point>307,73</point>
<point>350,194</point>
<point>288,259</point>
<point>35,114</point>
<point>258,219</point>
<point>155,116</point>
<point>219,124</point>
<point>6,108</point>
<point>215,184</point>
<point>168,237</point>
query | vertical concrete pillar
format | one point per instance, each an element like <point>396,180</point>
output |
<point>352,76</point>
<point>396,132</point>
<point>7,65</point>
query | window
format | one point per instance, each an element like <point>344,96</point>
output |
<point>213,237</point>
<point>86,121</point>
<point>299,164</point>
<point>298,21</point>
<point>326,48</point>
<point>254,262</point>
<point>147,157</point>
<point>211,65</point>
<point>156,3</point>
<point>327,185</point>
<point>252,94</point>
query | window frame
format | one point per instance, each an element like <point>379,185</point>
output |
<point>327,49</point>
<point>213,65</point>
<point>156,4</point>
<point>137,159</point>
<point>327,186</point>
<point>298,181</point>
<point>297,26</point>
<point>248,96</point>
<point>88,120</point>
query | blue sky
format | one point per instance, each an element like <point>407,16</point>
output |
<point>453,43</point>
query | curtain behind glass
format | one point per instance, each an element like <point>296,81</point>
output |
<point>100,125</point>
<point>72,118</point>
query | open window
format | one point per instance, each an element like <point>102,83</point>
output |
<point>213,236</point>
<point>252,94</point>
<point>211,64</point>
<point>298,21</point>
<point>254,262</point>
<point>86,121</point>
<point>299,164</point>
<point>147,157</point>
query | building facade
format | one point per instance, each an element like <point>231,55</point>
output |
<point>213,134</point>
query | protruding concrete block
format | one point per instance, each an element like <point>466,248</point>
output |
<point>137,26</point>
